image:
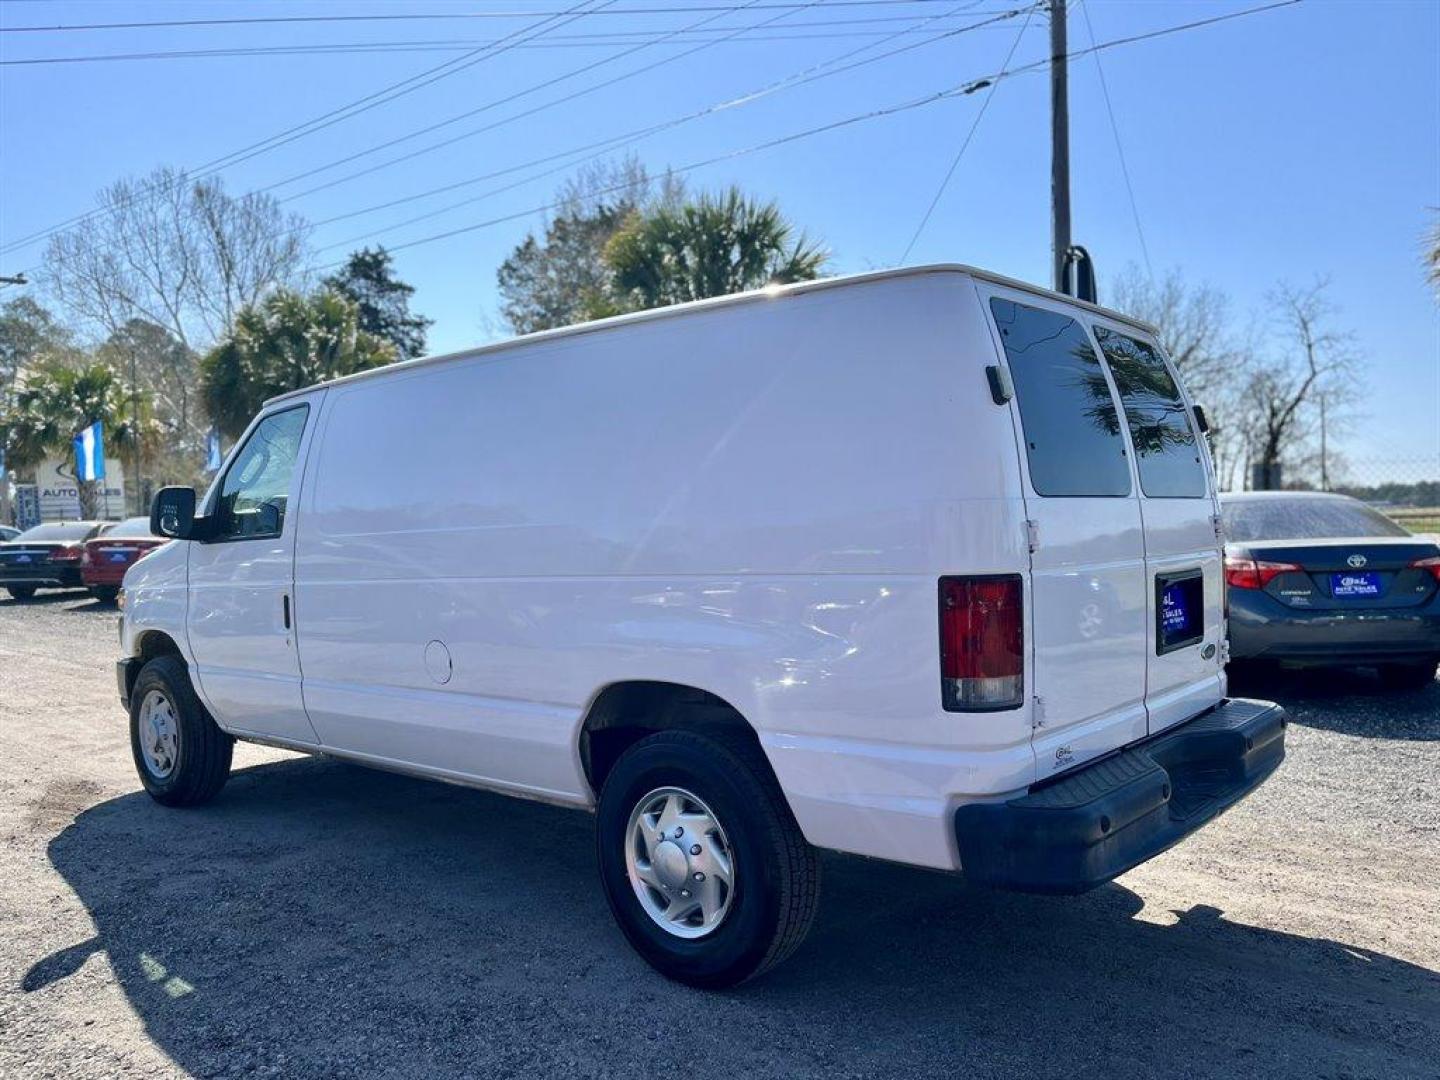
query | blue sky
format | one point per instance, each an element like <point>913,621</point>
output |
<point>1282,145</point>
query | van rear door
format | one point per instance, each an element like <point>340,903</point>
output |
<point>1087,587</point>
<point>1178,507</point>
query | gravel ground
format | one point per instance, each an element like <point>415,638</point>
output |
<point>322,920</point>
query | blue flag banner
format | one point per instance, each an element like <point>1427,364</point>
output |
<point>90,453</point>
<point>213,457</point>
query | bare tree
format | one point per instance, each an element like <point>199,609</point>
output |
<point>1310,360</point>
<point>178,253</point>
<point>1196,332</point>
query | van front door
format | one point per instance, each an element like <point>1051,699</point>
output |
<point>1182,551</point>
<point>241,621</point>
<point>1088,563</point>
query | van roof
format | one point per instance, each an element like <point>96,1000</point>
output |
<point>674,311</point>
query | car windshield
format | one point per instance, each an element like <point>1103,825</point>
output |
<point>130,528</point>
<point>1304,519</point>
<point>59,532</point>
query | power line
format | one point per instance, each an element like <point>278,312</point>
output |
<point>354,108</point>
<point>963,89</point>
<point>969,135</point>
<point>1119,148</point>
<point>952,92</point>
<point>800,32</point>
<point>411,16</point>
<point>603,147</point>
<point>421,151</point>
<point>418,132</point>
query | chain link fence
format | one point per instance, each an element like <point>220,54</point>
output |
<point>1405,489</point>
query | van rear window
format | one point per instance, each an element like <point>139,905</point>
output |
<point>1072,432</point>
<point>1166,449</point>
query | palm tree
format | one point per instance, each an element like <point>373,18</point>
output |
<point>286,341</point>
<point>711,246</point>
<point>59,400</point>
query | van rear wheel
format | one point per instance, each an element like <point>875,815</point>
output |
<point>21,592</point>
<point>704,867</point>
<point>181,754</point>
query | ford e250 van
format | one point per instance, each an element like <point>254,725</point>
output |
<point>920,565</point>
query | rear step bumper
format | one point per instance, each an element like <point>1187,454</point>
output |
<point>1086,827</point>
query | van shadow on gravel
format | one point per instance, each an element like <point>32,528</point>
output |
<point>320,919</point>
<point>1348,701</point>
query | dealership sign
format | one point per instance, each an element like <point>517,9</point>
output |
<point>60,492</point>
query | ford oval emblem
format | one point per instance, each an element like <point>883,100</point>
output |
<point>1356,561</point>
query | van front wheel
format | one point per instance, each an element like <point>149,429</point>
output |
<point>181,754</point>
<point>702,862</point>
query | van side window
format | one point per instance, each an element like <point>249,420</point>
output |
<point>257,486</point>
<point>1165,443</point>
<point>1072,432</point>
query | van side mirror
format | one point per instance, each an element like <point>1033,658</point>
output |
<point>172,513</point>
<point>1201,420</point>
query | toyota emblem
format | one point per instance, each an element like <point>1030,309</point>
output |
<point>1356,561</point>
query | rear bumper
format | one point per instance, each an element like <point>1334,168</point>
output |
<point>102,575</point>
<point>41,577</point>
<point>1084,828</point>
<point>1262,628</point>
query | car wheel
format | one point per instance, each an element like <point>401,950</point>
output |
<point>1408,676</point>
<point>106,594</point>
<point>21,592</point>
<point>181,754</point>
<point>702,863</point>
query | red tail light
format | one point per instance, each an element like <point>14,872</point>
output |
<point>982,643</point>
<point>67,554</point>
<point>1432,564</point>
<point>1255,573</point>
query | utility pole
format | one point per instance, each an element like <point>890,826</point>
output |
<point>1324,450</point>
<point>135,432</point>
<point>1059,143</point>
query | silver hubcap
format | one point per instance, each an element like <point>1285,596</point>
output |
<point>159,734</point>
<point>679,862</point>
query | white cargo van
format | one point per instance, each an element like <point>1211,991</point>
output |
<point>920,565</point>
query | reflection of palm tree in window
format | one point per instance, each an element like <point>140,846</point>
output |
<point>1156,415</point>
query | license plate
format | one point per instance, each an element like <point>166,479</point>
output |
<point>1354,585</point>
<point>119,556</point>
<point>22,558</point>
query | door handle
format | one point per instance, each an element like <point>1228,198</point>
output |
<point>285,604</point>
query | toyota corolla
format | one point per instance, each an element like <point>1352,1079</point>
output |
<point>1320,579</point>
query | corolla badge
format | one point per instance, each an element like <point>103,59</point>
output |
<point>1356,561</point>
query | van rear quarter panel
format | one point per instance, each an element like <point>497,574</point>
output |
<point>755,500</point>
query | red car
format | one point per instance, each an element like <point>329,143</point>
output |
<point>105,559</point>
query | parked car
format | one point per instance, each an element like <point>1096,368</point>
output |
<point>105,559</point>
<point>8,533</point>
<point>922,565</point>
<point>1321,579</point>
<point>45,557</point>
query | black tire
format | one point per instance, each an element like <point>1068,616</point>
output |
<point>202,751</point>
<point>21,592</point>
<point>777,874</point>
<point>1408,676</point>
<point>106,594</point>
